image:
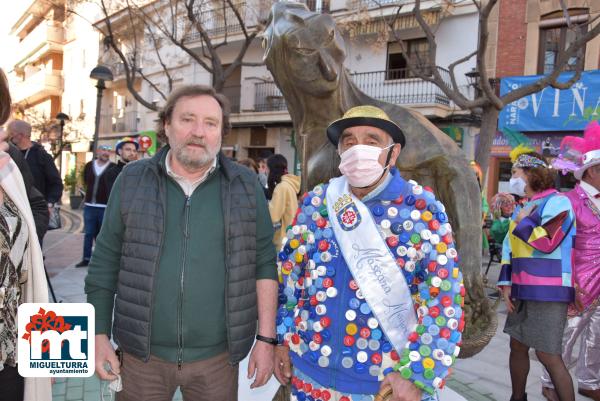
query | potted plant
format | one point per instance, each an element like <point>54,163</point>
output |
<point>71,182</point>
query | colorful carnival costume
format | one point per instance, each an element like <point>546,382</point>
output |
<point>585,323</point>
<point>536,264</point>
<point>369,287</point>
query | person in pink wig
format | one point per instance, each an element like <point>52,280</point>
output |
<point>582,157</point>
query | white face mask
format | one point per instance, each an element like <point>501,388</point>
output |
<point>517,186</point>
<point>360,165</point>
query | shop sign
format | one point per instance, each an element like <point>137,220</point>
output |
<point>552,109</point>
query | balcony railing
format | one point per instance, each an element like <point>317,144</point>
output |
<point>318,6</point>
<point>379,3</point>
<point>216,21</point>
<point>119,122</point>
<point>398,87</point>
<point>268,97</point>
<point>392,86</point>
<point>118,70</point>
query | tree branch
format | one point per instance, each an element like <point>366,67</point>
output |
<point>239,17</point>
<point>458,98</point>
<point>172,36</point>
<point>454,64</point>
<point>486,87</point>
<point>128,77</point>
<point>565,12</point>
<point>160,60</point>
<point>552,78</point>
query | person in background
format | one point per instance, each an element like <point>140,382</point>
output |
<point>502,208</point>
<point>22,277</point>
<point>263,173</point>
<point>284,189</point>
<point>41,164</point>
<point>251,164</point>
<point>485,208</point>
<point>584,321</point>
<point>535,278</point>
<point>38,204</point>
<point>127,151</point>
<point>97,191</point>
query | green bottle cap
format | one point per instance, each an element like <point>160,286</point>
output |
<point>424,350</point>
<point>415,238</point>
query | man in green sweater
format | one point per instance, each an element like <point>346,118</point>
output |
<point>184,267</point>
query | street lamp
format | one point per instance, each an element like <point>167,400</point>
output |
<point>473,76</point>
<point>101,74</point>
<point>62,117</point>
<point>473,79</point>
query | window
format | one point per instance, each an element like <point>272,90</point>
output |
<point>319,6</point>
<point>397,60</point>
<point>555,37</point>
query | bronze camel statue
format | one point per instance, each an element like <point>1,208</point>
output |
<point>305,53</point>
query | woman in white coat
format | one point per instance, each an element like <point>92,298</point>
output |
<point>22,277</point>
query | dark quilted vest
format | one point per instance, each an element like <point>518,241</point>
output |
<point>143,203</point>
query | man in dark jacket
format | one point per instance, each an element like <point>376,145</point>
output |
<point>36,199</point>
<point>186,248</point>
<point>126,149</point>
<point>97,191</point>
<point>45,174</point>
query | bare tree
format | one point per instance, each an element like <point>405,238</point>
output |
<point>137,30</point>
<point>47,130</point>
<point>486,103</point>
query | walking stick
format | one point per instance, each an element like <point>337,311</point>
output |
<point>50,284</point>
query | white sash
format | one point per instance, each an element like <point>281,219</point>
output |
<point>371,263</point>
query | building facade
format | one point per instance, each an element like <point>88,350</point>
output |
<point>49,74</point>
<point>261,123</point>
<point>525,47</point>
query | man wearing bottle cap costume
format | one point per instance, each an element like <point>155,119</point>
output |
<point>371,296</point>
<point>582,157</point>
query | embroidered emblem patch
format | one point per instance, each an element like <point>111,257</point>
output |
<point>348,217</point>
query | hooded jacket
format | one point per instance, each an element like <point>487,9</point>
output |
<point>284,204</point>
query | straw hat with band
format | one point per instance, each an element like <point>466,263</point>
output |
<point>365,115</point>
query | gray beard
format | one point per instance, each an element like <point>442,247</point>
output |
<point>192,164</point>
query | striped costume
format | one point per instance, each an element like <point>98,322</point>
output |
<point>536,255</point>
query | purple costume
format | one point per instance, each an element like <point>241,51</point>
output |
<point>586,252</point>
<point>586,272</point>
